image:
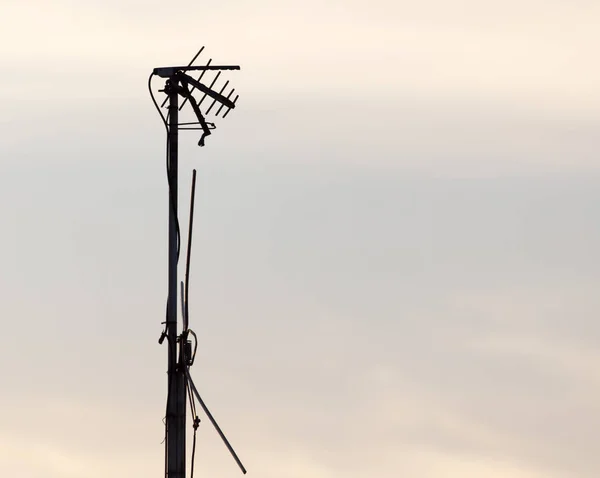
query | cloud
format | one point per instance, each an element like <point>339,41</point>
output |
<point>517,51</point>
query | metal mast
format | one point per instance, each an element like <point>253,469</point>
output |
<point>180,355</point>
<point>176,398</point>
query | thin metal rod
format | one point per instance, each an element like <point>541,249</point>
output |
<point>189,247</point>
<point>214,423</point>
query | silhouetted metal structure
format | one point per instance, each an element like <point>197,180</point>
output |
<point>181,354</point>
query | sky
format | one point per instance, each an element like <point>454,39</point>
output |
<point>395,256</point>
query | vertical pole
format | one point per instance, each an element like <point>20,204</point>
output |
<point>176,398</point>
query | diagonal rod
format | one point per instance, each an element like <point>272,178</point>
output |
<point>213,421</point>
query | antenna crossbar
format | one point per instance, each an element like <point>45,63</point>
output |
<point>168,71</point>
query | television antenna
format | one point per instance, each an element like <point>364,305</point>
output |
<point>181,349</point>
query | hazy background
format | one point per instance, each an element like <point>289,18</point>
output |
<point>395,269</point>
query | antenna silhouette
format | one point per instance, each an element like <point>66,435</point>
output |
<point>181,354</point>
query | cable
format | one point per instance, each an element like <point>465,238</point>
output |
<point>167,162</point>
<point>196,421</point>
<point>191,399</point>
<point>193,459</point>
<point>195,425</point>
<point>155,103</point>
<point>168,165</point>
